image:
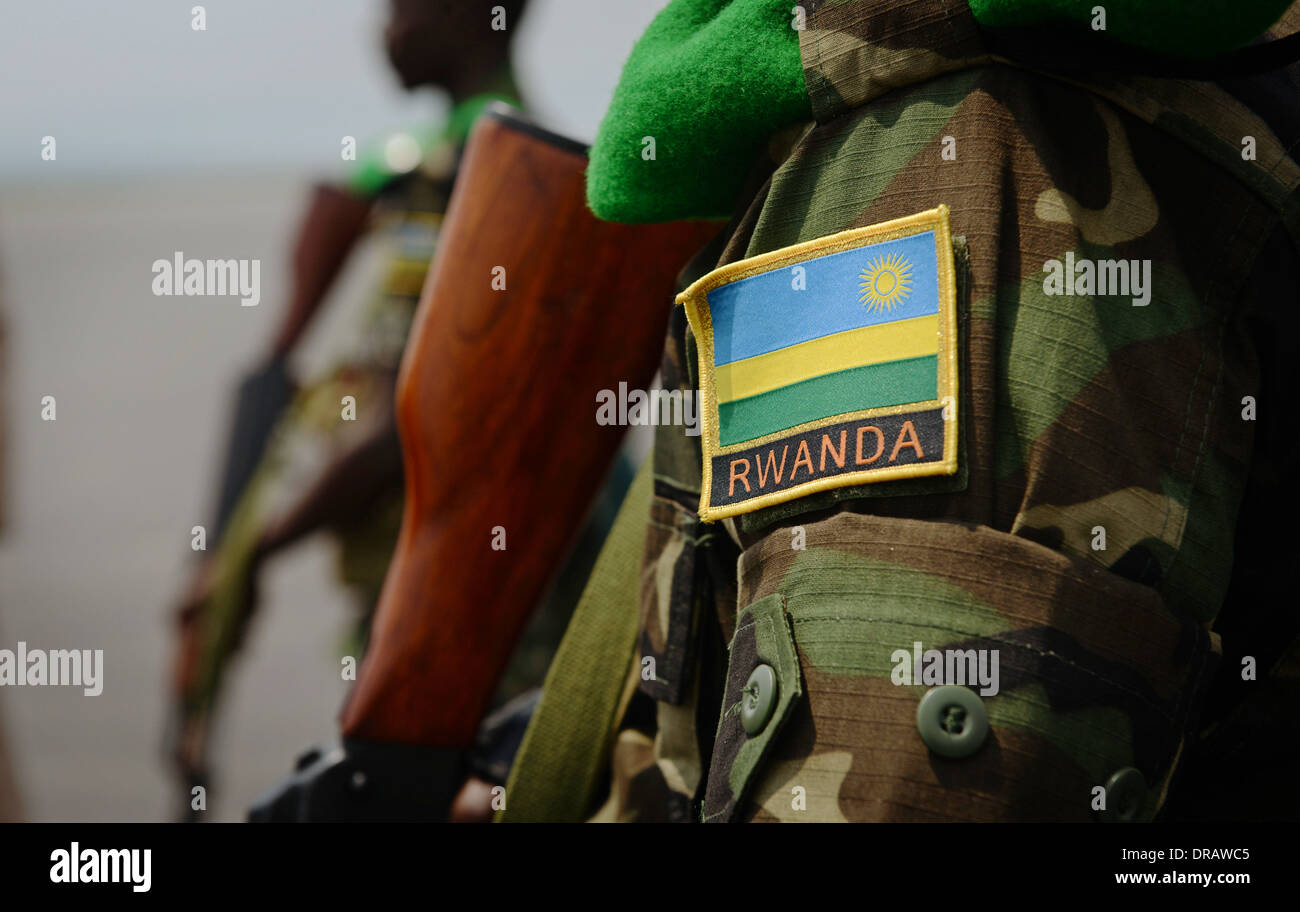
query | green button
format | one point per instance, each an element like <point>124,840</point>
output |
<point>1126,794</point>
<point>758,699</point>
<point>952,721</point>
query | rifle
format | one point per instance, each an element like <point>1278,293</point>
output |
<point>532,307</point>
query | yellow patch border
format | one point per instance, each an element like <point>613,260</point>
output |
<point>695,300</point>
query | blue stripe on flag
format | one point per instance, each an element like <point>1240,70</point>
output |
<point>764,313</point>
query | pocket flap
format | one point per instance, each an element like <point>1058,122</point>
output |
<point>763,685</point>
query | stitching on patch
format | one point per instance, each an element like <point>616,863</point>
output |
<point>700,321</point>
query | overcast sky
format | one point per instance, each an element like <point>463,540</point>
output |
<point>127,87</point>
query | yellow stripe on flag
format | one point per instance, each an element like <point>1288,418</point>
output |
<point>841,351</point>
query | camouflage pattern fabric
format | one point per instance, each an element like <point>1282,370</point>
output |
<point>1080,412</point>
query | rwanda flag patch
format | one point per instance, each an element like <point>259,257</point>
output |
<point>827,364</point>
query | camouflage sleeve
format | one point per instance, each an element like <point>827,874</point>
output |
<point>1077,675</point>
<point>1047,633</point>
<point>1034,639</point>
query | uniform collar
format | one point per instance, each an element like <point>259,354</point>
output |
<point>855,52</point>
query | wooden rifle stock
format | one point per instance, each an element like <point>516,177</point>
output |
<point>532,306</point>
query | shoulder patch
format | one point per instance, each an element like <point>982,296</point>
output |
<point>826,364</point>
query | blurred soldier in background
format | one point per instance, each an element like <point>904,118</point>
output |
<point>295,464</point>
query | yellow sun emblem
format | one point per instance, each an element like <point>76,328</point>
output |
<point>886,282</point>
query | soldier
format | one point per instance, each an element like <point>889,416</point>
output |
<point>974,529</point>
<point>318,471</point>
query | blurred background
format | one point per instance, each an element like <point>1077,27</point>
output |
<point>205,142</point>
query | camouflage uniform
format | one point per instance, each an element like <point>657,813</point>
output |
<point>1078,411</point>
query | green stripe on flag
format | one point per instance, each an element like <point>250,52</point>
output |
<point>867,387</point>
